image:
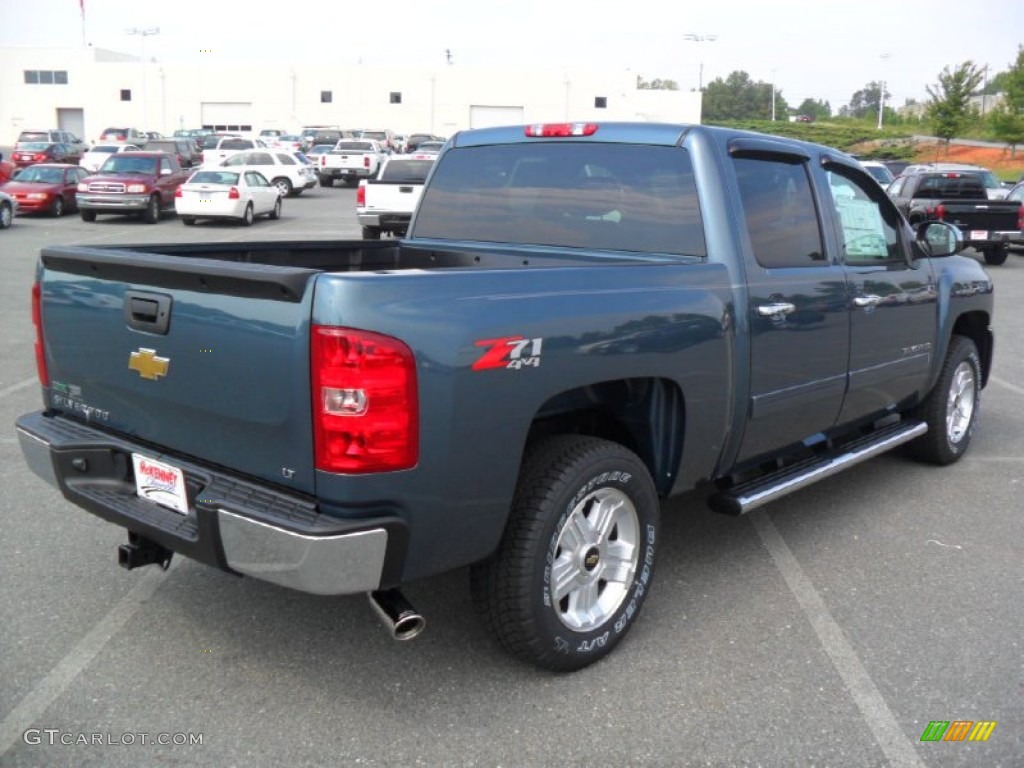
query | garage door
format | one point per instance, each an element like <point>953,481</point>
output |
<point>227,115</point>
<point>485,117</point>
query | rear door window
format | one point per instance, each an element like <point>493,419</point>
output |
<point>583,195</point>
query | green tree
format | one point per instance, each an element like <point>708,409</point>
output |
<point>737,97</point>
<point>657,84</point>
<point>816,108</point>
<point>1007,119</point>
<point>864,103</point>
<point>949,108</point>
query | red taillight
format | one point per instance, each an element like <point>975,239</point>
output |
<point>323,160</point>
<point>39,157</point>
<point>361,195</point>
<point>366,161</point>
<point>233,194</point>
<point>940,212</point>
<point>178,192</point>
<point>544,130</point>
<point>37,321</point>
<point>365,407</point>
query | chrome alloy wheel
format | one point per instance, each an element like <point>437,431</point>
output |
<point>595,559</point>
<point>960,402</point>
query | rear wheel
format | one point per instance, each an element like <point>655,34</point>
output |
<point>188,221</point>
<point>276,213</point>
<point>951,409</point>
<point>152,212</point>
<point>247,217</point>
<point>326,181</point>
<point>996,255</point>
<point>57,209</point>
<point>575,563</point>
<point>88,215</point>
<point>6,214</point>
<point>371,233</point>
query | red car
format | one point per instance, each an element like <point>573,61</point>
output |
<point>46,188</point>
<point>32,152</point>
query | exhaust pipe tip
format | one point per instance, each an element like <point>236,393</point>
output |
<point>397,614</point>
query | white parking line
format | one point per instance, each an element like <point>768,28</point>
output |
<point>898,750</point>
<point>20,385</point>
<point>1008,385</point>
<point>38,700</point>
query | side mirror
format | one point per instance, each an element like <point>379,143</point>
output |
<point>937,238</point>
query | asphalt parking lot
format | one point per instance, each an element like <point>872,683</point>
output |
<point>828,629</point>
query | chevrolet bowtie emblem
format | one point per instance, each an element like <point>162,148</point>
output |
<point>148,364</point>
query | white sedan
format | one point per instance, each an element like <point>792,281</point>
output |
<point>95,157</point>
<point>239,194</point>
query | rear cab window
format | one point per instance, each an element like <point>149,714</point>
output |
<point>601,196</point>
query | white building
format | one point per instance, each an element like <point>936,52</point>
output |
<point>85,90</point>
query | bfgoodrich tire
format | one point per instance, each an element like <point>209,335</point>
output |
<point>577,557</point>
<point>951,409</point>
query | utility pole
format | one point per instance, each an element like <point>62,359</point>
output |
<point>143,34</point>
<point>694,38</point>
<point>881,94</point>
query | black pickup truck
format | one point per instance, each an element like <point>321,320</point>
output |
<point>584,319</point>
<point>961,199</point>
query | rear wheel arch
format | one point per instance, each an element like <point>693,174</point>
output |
<point>645,415</point>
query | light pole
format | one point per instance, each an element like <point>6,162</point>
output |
<point>694,38</point>
<point>143,33</point>
<point>881,94</point>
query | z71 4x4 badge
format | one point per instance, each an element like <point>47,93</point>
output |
<point>513,352</point>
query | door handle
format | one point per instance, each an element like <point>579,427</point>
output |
<point>776,310</point>
<point>867,301</point>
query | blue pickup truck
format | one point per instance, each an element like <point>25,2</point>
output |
<point>584,320</point>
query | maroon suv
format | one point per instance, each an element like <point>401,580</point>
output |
<point>142,183</point>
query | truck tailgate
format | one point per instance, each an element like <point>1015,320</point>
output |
<point>196,356</point>
<point>392,197</point>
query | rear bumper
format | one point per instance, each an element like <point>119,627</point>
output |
<point>346,173</point>
<point>233,524</point>
<point>384,219</point>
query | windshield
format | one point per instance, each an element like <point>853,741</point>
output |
<point>588,195</point>
<point>42,175</point>
<point>103,150</point>
<point>880,172</point>
<point>129,163</point>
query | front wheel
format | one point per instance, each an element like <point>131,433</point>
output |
<point>996,255</point>
<point>6,214</point>
<point>284,186</point>
<point>576,560</point>
<point>152,212</point>
<point>951,409</point>
<point>57,209</point>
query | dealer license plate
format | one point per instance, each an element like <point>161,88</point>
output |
<point>979,234</point>
<point>160,483</point>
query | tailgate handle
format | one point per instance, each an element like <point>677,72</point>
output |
<point>149,312</point>
<point>405,189</point>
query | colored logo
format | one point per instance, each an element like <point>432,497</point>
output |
<point>513,352</point>
<point>958,730</point>
<point>148,364</point>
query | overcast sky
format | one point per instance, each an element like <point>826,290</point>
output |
<point>823,49</point>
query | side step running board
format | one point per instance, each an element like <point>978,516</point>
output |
<point>767,488</point>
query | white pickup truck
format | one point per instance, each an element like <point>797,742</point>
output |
<point>351,160</point>
<point>386,203</point>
